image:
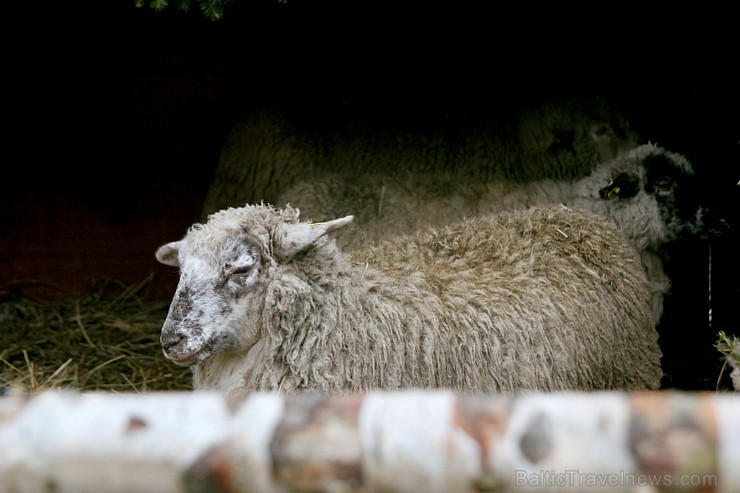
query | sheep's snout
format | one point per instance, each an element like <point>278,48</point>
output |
<point>170,341</point>
<point>175,347</point>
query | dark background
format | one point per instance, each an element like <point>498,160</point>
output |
<point>115,116</point>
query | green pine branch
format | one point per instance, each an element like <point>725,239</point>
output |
<point>212,9</point>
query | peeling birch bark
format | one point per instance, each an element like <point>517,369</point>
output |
<point>411,441</point>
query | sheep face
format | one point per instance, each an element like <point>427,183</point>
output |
<point>225,269</point>
<point>650,178</point>
<point>216,306</point>
<point>582,131</point>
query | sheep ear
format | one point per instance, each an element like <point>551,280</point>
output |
<point>168,254</point>
<point>624,186</point>
<point>298,237</point>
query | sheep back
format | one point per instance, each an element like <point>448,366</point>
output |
<point>660,207</point>
<point>269,150</point>
<point>566,295</point>
<point>546,298</point>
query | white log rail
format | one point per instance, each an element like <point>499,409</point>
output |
<point>411,441</point>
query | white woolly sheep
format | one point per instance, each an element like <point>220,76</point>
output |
<point>547,298</point>
<point>268,151</point>
<point>644,191</point>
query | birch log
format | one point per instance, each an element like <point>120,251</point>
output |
<point>412,441</point>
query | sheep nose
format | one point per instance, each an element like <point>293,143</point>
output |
<point>169,341</point>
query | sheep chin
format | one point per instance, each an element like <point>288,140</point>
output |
<point>207,350</point>
<point>191,355</point>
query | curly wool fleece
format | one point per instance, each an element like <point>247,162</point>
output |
<point>547,298</point>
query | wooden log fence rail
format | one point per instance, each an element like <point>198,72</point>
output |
<point>409,441</point>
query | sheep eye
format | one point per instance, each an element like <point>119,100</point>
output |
<point>237,270</point>
<point>242,270</point>
<point>562,141</point>
<point>602,130</point>
<point>663,184</point>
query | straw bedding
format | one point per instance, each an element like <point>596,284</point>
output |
<point>106,339</point>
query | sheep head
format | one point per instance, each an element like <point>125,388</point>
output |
<point>649,178</point>
<point>225,267</point>
<point>582,131</point>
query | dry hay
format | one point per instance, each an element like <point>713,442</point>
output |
<point>104,340</point>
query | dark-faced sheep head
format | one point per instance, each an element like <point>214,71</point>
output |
<point>226,266</point>
<point>664,177</point>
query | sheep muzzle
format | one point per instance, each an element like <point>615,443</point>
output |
<point>175,347</point>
